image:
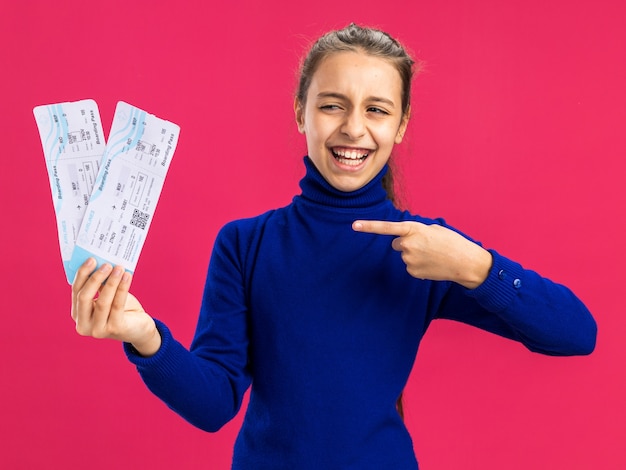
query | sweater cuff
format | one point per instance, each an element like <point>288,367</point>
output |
<point>502,286</point>
<point>160,359</point>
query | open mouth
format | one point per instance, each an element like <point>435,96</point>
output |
<point>348,156</point>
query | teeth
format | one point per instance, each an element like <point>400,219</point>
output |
<point>350,154</point>
<point>347,161</point>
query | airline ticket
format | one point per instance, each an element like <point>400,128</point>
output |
<point>126,191</point>
<point>73,145</point>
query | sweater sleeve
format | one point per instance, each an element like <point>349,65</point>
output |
<point>206,384</point>
<point>520,304</point>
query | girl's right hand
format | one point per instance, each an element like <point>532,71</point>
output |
<point>107,310</point>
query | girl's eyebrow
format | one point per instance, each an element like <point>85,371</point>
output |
<point>339,96</point>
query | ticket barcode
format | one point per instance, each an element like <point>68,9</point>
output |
<point>139,219</point>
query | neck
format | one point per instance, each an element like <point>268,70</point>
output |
<point>317,190</point>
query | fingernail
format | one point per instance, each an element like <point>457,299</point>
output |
<point>117,271</point>
<point>106,267</point>
<point>90,262</point>
<point>357,226</point>
<point>126,277</point>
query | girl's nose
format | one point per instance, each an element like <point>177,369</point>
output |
<point>354,125</point>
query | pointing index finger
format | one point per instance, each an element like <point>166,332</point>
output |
<point>382,227</point>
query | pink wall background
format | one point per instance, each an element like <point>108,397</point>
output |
<point>517,138</point>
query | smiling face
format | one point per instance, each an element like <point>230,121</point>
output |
<point>352,117</point>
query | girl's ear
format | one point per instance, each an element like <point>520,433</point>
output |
<point>298,110</point>
<point>403,125</point>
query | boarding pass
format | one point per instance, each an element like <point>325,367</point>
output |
<point>73,145</point>
<point>125,191</point>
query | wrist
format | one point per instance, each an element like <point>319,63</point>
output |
<point>481,265</point>
<point>150,343</point>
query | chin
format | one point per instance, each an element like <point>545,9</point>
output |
<point>347,185</point>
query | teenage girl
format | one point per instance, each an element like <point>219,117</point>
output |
<point>320,306</point>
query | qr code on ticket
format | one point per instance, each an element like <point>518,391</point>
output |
<point>139,219</point>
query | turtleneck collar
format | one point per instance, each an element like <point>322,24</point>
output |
<point>317,190</point>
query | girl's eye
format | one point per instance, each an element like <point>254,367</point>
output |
<point>329,107</point>
<point>374,109</point>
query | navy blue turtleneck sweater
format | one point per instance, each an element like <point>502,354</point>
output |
<point>325,323</point>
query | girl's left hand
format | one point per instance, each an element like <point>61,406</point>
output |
<point>434,252</point>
